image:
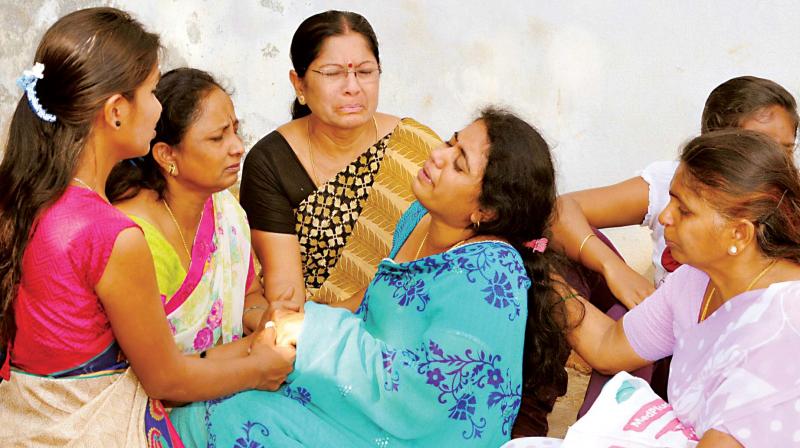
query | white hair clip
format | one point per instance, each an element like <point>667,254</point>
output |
<point>27,82</point>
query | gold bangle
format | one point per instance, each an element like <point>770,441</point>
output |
<point>583,243</point>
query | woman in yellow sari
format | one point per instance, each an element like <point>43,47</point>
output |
<point>323,192</point>
<point>194,226</point>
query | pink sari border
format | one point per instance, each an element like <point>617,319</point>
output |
<point>201,251</point>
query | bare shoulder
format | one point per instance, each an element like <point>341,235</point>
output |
<point>144,205</point>
<point>294,131</point>
<point>386,122</point>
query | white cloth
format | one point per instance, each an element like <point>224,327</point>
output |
<point>533,442</point>
<point>658,176</point>
<point>629,414</point>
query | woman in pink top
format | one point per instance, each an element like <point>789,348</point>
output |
<point>730,316</point>
<point>82,324</point>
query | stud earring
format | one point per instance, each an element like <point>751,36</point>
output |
<point>302,100</point>
<point>733,250</point>
<point>476,225</point>
<point>172,168</point>
<point>117,123</point>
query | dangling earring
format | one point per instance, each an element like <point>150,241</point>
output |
<point>302,100</point>
<point>733,250</point>
<point>476,225</point>
<point>171,170</point>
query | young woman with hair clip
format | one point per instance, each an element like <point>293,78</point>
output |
<point>85,331</point>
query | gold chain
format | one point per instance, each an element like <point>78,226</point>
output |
<point>180,233</point>
<point>314,176</point>
<point>419,249</point>
<point>749,287</point>
<point>78,180</point>
<point>311,153</point>
<point>425,238</point>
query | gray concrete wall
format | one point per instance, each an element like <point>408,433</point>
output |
<point>612,84</point>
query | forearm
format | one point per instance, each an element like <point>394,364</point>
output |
<point>255,305</point>
<point>600,340</point>
<point>196,379</point>
<point>570,226</point>
<point>573,233</point>
<point>282,266</point>
<point>231,350</point>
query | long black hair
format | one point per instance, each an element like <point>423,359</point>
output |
<point>88,56</point>
<point>519,187</point>
<point>181,93</point>
<point>312,33</point>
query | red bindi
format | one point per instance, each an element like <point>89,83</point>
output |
<point>350,65</point>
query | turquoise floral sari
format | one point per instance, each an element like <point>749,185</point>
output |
<point>432,357</point>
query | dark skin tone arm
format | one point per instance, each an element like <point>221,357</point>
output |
<point>130,297</point>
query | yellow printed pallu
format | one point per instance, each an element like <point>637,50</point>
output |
<point>345,227</point>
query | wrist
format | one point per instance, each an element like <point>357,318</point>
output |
<point>611,266</point>
<point>253,370</point>
<point>252,316</point>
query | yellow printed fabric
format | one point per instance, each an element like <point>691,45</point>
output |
<point>169,269</point>
<point>367,242</point>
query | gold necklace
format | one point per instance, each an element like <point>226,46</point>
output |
<point>749,287</point>
<point>180,233</point>
<point>425,238</point>
<point>419,249</point>
<point>314,176</point>
<point>78,180</point>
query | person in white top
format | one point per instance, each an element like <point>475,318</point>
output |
<point>745,102</point>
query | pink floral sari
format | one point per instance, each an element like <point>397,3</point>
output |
<point>204,306</point>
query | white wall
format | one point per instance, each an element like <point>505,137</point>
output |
<point>613,85</point>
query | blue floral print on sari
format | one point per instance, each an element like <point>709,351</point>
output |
<point>432,357</point>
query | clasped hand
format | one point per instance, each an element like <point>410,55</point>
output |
<point>275,356</point>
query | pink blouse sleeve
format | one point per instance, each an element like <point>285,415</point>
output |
<point>97,243</point>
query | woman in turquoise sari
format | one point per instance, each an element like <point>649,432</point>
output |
<point>434,353</point>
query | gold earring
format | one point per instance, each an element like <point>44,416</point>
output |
<point>302,100</point>
<point>172,168</point>
<point>476,225</point>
